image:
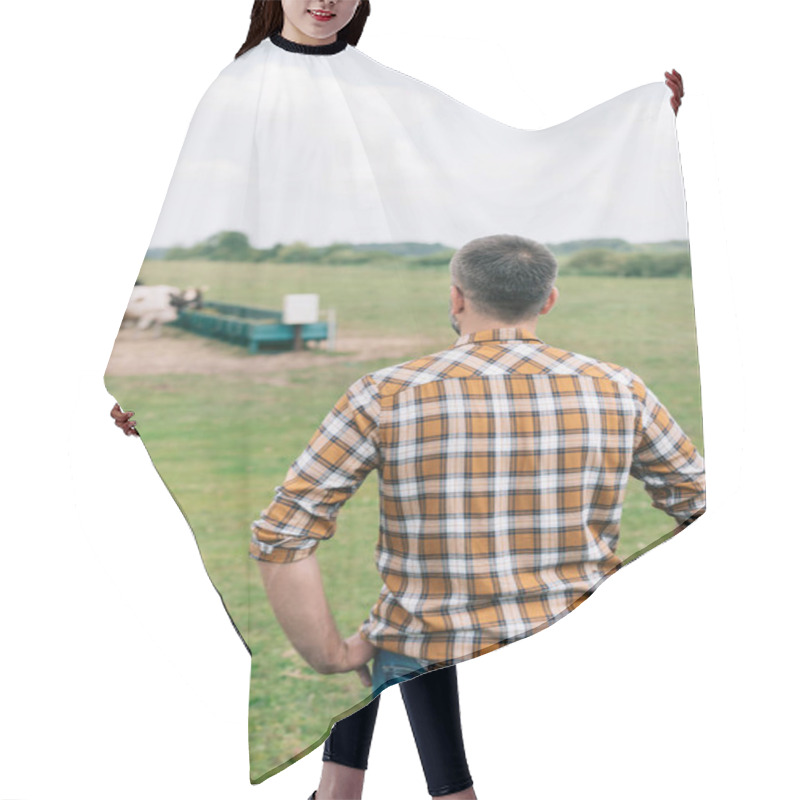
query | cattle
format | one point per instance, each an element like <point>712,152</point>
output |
<point>152,306</point>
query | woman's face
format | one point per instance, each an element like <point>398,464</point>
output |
<point>316,21</point>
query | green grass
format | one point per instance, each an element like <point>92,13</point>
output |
<point>222,469</point>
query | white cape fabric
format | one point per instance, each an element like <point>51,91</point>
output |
<point>309,149</point>
<point>288,146</point>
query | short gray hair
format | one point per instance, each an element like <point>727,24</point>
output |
<point>504,276</point>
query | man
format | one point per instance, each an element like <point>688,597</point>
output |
<point>503,463</point>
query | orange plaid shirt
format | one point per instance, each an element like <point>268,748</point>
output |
<point>502,466</point>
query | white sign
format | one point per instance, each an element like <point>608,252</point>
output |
<point>300,309</point>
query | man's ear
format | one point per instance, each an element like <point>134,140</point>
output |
<point>456,299</point>
<point>550,302</point>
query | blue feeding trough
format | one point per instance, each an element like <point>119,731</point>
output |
<point>257,329</point>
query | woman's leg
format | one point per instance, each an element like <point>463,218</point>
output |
<point>346,753</point>
<point>431,702</point>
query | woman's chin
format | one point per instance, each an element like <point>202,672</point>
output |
<point>320,37</point>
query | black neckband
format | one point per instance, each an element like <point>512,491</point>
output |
<point>308,49</point>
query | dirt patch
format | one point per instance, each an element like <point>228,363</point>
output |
<point>177,352</point>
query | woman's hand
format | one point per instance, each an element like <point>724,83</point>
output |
<point>675,82</point>
<point>122,419</point>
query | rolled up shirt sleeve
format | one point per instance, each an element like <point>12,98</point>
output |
<point>667,462</point>
<point>344,449</point>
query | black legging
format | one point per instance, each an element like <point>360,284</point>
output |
<point>431,702</point>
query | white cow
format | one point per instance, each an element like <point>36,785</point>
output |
<point>154,305</point>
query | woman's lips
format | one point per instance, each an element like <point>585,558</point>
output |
<point>323,16</point>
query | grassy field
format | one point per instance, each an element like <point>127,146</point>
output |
<point>222,468</point>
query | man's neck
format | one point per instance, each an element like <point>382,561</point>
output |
<point>480,324</point>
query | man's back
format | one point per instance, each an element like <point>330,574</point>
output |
<point>502,468</point>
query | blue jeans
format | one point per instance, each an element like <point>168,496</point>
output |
<point>389,668</point>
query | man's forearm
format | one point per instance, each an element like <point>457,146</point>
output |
<point>298,599</point>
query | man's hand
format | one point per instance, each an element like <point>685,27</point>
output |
<point>675,82</point>
<point>122,419</point>
<point>353,655</point>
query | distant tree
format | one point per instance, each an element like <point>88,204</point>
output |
<point>297,251</point>
<point>402,248</point>
<point>346,255</point>
<point>441,259</point>
<point>595,261</point>
<point>229,246</point>
<point>657,265</point>
<point>580,257</point>
<point>654,263</point>
<point>223,246</point>
<point>567,248</point>
<point>638,265</point>
<point>266,254</point>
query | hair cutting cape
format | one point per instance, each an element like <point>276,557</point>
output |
<point>320,172</point>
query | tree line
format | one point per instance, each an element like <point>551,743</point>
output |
<point>610,257</point>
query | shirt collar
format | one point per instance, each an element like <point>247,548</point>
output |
<point>497,334</point>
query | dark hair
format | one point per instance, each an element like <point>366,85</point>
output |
<point>505,277</point>
<point>266,18</point>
